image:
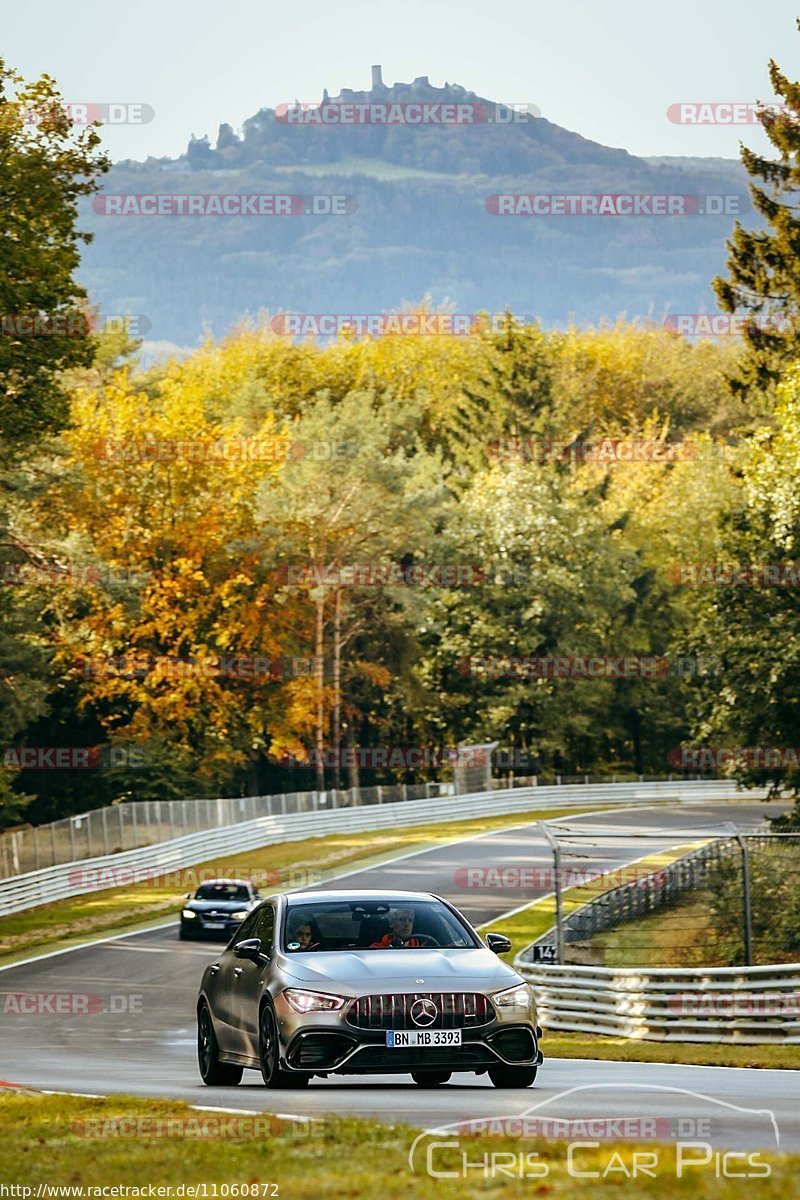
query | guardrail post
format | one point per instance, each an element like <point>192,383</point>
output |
<point>283,803</point>
<point>559,904</point>
<point>53,840</point>
<point>104,821</point>
<point>747,915</point>
<point>380,794</point>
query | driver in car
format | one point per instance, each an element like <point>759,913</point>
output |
<point>400,935</point>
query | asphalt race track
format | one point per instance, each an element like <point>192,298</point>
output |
<point>138,1035</point>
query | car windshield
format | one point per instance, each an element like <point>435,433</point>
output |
<point>373,925</point>
<point>222,891</point>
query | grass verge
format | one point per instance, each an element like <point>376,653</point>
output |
<point>288,864</point>
<point>45,1142</point>
<point>714,1054</point>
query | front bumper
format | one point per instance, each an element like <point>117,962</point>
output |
<point>329,1043</point>
<point>366,1053</point>
<point>198,929</point>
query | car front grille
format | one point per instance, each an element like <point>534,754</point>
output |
<point>392,1010</point>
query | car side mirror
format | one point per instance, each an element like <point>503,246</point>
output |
<point>498,942</point>
<point>188,895</point>
<point>250,948</point>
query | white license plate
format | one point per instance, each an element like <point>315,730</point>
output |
<point>215,924</point>
<point>396,1039</point>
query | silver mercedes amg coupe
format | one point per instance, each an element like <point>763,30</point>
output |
<point>364,983</point>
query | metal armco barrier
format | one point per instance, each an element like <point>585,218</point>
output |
<point>111,870</point>
<point>746,1005</point>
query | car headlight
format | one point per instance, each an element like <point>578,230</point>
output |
<point>518,996</point>
<point>240,916</point>
<point>305,1002</point>
<point>188,915</point>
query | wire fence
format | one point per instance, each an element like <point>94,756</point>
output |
<point>132,824</point>
<point>732,901</point>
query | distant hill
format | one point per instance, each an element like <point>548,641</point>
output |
<point>420,223</point>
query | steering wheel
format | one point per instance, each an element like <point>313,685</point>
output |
<point>426,939</point>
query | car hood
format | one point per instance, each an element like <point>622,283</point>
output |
<point>221,906</point>
<point>400,970</point>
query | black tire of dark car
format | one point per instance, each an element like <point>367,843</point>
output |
<point>272,1072</point>
<point>213,1072</point>
<point>512,1077</point>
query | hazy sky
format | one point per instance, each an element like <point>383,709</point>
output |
<point>606,70</point>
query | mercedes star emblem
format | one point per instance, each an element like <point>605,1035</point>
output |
<point>424,1011</point>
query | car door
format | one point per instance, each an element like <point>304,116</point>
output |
<point>249,981</point>
<point>223,991</point>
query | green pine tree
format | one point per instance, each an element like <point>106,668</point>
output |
<point>764,264</point>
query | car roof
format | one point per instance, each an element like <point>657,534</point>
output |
<point>354,897</point>
<point>225,883</point>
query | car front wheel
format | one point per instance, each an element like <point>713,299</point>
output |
<point>512,1077</point>
<point>213,1072</point>
<point>272,1072</point>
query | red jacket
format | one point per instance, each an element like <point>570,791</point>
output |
<point>385,942</point>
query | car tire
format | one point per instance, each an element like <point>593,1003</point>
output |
<point>431,1078</point>
<point>512,1077</point>
<point>272,1072</point>
<point>213,1072</point>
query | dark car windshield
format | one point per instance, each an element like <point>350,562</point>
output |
<point>373,925</point>
<point>222,891</point>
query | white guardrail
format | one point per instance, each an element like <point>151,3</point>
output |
<point>744,1005</point>
<point>20,892</point>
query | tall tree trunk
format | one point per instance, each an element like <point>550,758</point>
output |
<point>337,688</point>
<point>353,777</point>
<point>320,678</point>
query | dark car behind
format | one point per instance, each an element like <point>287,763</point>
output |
<point>217,909</point>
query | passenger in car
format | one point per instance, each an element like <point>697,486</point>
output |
<point>307,935</point>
